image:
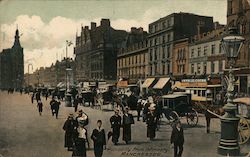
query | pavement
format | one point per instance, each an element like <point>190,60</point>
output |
<point>23,133</point>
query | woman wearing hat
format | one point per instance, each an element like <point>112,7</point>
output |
<point>68,127</point>
<point>40,107</point>
<point>151,122</point>
<point>80,139</point>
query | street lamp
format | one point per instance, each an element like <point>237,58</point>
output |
<point>228,145</point>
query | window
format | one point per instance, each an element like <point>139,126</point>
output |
<point>163,39</point>
<point>220,66</point>
<point>163,69</point>
<point>220,48</point>
<point>163,24</point>
<point>168,22</point>
<point>212,67</point>
<point>156,69</point>
<point>205,50</point>
<point>198,68</point>
<point>230,7</point>
<point>151,55</point>
<point>169,37</point>
<point>156,53</point>
<point>192,68</point>
<point>168,51</point>
<point>192,53</point>
<point>199,51</point>
<point>213,49</point>
<point>156,27</point>
<point>163,51</point>
<point>156,41</point>
<point>168,68</point>
<point>204,68</point>
<point>150,42</point>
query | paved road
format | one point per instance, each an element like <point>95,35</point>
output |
<point>23,133</point>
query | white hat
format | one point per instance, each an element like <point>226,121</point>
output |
<point>152,106</point>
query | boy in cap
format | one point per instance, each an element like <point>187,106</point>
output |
<point>99,139</point>
<point>115,121</point>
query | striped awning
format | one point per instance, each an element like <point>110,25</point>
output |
<point>148,82</point>
<point>161,83</point>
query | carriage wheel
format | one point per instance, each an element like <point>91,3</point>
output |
<point>192,118</point>
<point>173,117</point>
<point>243,129</point>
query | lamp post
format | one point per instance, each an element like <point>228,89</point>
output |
<point>228,145</point>
<point>68,43</point>
<point>29,72</point>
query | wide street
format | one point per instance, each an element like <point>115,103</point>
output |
<point>23,133</point>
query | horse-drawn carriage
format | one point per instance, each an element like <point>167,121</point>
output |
<point>178,105</point>
<point>243,105</point>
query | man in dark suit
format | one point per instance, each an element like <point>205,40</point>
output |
<point>177,139</point>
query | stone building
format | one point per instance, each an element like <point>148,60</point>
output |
<point>96,51</point>
<point>238,15</point>
<point>132,60</point>
<point>180,57</point>
<point>12,65</point>
<point>166,30</point>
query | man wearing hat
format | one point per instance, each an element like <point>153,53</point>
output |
<point>177,139</point>
<point>69,127</point>
<point>115,121</point>
<point>151,122</point>
<point>83,116</point>
<point>128,119</point>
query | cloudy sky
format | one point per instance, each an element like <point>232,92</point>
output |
<point>45,25</point>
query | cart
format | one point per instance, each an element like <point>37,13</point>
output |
<point>243,111</point>
<point>178,105</point>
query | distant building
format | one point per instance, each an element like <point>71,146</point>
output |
<point>132,60</point>
<point>96,51</point>
<point>12,65</point>
<point>165,31</point>
<point>238,15</point>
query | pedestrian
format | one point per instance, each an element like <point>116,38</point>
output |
<point>40,107</point>
<point>69,127</point>
<point>80,138</point>
<point>151,122</point>
<point>84,118</point>
<point>52,106</point>
<point>75,103</point>
<point>46,95</point>
<point>177,139</point>
<point>128,120</point>
<point>32,97</point>
<point>38,96</point>
<point>56,107</point>
<point>115,121</point>
<point>99,139</point>
<point>139,108</point>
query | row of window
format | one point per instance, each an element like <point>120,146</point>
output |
<point>161,25</point>
<point>160,40</point>
<point>181,54</point>
<point>154,54</point>
<point>201,68</point>
<point>163,69</point>
<point>204,51</point>
<point>132,60</point>
<point>132,71</point>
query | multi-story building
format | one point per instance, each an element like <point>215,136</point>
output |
<point>96,51</point>
<point>206,56</point>
<point>51,76</point>
<point>132,60</point>
<point>238,15</point>
<point>12,65</point>
<point>180,57</point>
<point>166,30</point>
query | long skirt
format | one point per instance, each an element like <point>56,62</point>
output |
<point>116,134</point>
<point>79,149</point>
<point>98,150</point>
<point>68,140</point>
<point>126,133</point>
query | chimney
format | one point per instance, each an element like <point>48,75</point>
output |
<point>105,22</point>
<point>133,30</point>
<point>93,25</point>
<point>86,27</point>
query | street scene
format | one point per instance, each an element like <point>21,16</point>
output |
<point>125,78</point>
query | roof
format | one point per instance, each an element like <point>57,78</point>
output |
<point>172,96</point>
<point>148,82</point>
<point>161,83</point>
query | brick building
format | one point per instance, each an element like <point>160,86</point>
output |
<point>132,60</point>
<point>96,51</point>
<point>12,65</point>
<point>238,15</point>
<point>166,30</point>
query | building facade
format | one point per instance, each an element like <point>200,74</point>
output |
<point>166,30</point>
<point>206,56</point>
<point>238,15</point>
<point>180,57</point>
<point>12,65</point>
<point>96,51</point>
<point>132,60</point>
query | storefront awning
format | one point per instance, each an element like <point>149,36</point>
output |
<point>148,82</point>
<point>161,83</point>
<point>122,84</point>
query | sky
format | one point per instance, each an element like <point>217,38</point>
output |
<point>45,25</point>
